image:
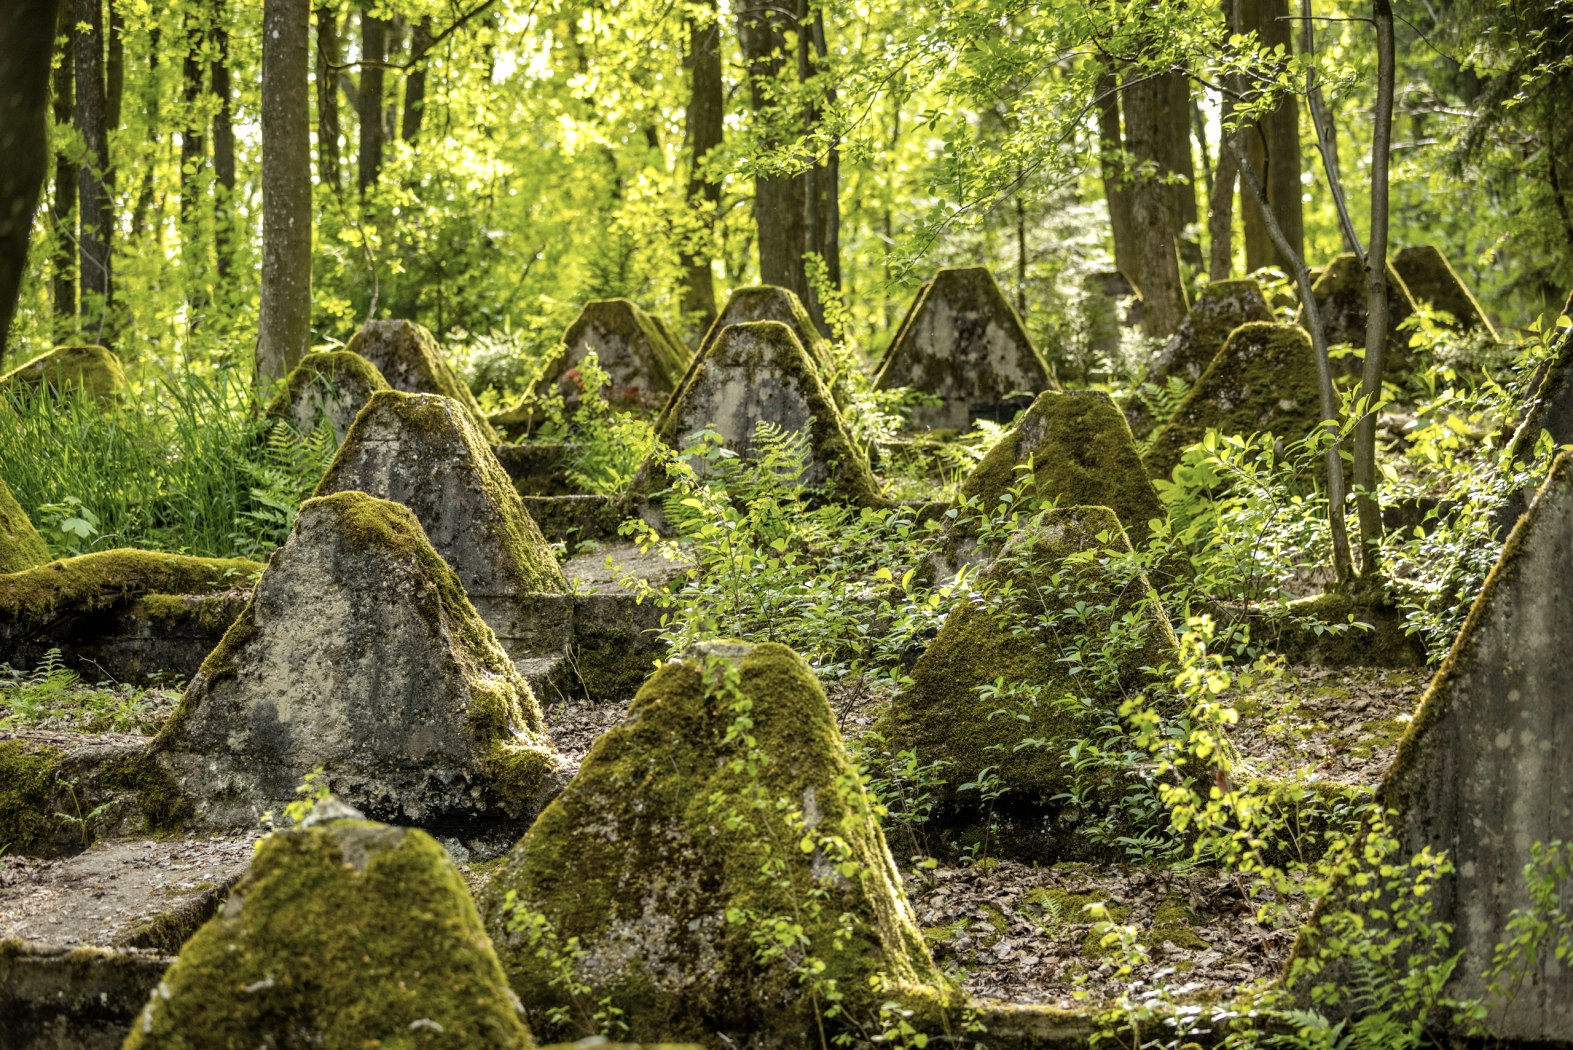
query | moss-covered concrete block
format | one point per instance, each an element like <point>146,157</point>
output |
<point>1080,453</point>
<point>1340,296</point>
<point>360,654</point>
<point>723,804</point>
<point>1482,774</point>
<point>1432,280</point>
<point>1219,309</point>
<point>92,370</point>
<point>1264,379</point>
<point>343,933</point>
<point>964,343</point>
<point>327,387</point>
<point>21,547</point>
<point>961,708</point>
<point>53,997</point>
<point>90,583</point>
<point>409,359</point>
<point>425,452</point>
<point>760,372</point>
<point>642,360</point>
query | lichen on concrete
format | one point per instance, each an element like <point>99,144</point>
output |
<point>760,372</point>
<point>1081,453</point>
<point>360,654</point>
<point>425,452</point>
<point>964,343</point>
<point>344,933</point>
<point>723,803</point>
<point>92,370</point>
<point>1264,379</point>
<point>410,360</point>
<point>327,386</point>
<point>21,547</point>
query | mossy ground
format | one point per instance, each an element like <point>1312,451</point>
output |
<point>90,369</point>
<point>349,934</point>
<point>90,582</point>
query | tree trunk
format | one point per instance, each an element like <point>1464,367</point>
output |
<point>374,52</point>
<point>93,180</point>
<point>1111,161</point>
<point>223,147</point>
<point>151,97</point>
<point>1178,159</point>
<point>285,317</point>
<point>780,205</point>
<point>1274,142</point>
<point>1146,102</point>
<point>28,30</point>
<point>115,67</point>
<point>64,212</point>
<point>415,82</point>
<point>1367,502</point>
<point>706,113</point>
<point>830,170</point>
<point>193,146</point>
<point>328,98</point>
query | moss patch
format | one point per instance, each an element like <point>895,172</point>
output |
<point>1220,308</point>
<point>90,582</point>
<point>90,369</point>
<point>27,794</point>
<point>409,359</point>
<point>345,934</point>
<point>1264,379</point>
<point>1081,453</point>
<point>1432,280</point>
<point>724,804</point>
<point>21,547</point>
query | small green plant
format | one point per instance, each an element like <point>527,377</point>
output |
<point>585,1014</point>
<point>82,821</point>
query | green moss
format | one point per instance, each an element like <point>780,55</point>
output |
<point>651,357</point>
<point>409,359</point>
<point>169,610</point>
<point>1431,279</point>
<point>526,561</point>
<point>90,582</point>
<point>1264,379</point>
<point>327,370</point>
<point>783,361</point>
<point>161,805</point>
<point>1002,638</point>
<point>1220,308</point>
<point>1081,453</point>
<point>347,934</point>
<point>27,792</point>
<point>1374,634</point>
<point>673,828</point>
<point>21,547</point>
<point>92,369</point>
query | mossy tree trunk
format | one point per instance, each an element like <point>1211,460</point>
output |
<point>285,315</point>
<point>1275,146</point>
<point>63,285</point>
<point>28,30</point>
<point>373,54</point>
<point>93,181</point>
<point>705,118</point>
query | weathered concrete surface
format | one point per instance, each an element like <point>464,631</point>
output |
<point>360,654</point>
<point>1483,772</point>
<point>343,932</point>
<point>1340,295</point>
<point>54,998</point>
<point>667,834</point>
<point>1431,279</point>
<point>425,452</point>
<point>538,468</point>
<point>408,357</point>
<point>759,372</point>
<point>1550,410</point>
<point>964,343</point>
<point>1219,309</point>
<point>642,362</point>
<point>92,370</point>
<point>327,387</point>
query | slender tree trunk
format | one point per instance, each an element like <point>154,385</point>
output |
<point>374,51</point>
<point>328,98</point>
<point>1220,209</point>
<point>1274,145</point>
<point>1367,500</point>
<point>415,82</point>
<point>1147,102</point>
<point>1326,134</point>
<point>706,113</point>
<point>64,217</point>
<point>193,145</point>
<point>1111,160</point>
<point>285,317</point>
<point>28,30</point>
<point>223,147</point>
<point>780,205</point>
<point>93,182</point>
<point>1343,560</point>
<point>144,201</point>
<point>115,66</point>
<point>1179,161</point>
<point>391,50</point>
<point>830,170</point>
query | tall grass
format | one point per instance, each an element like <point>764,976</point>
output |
<point>185,464</point>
